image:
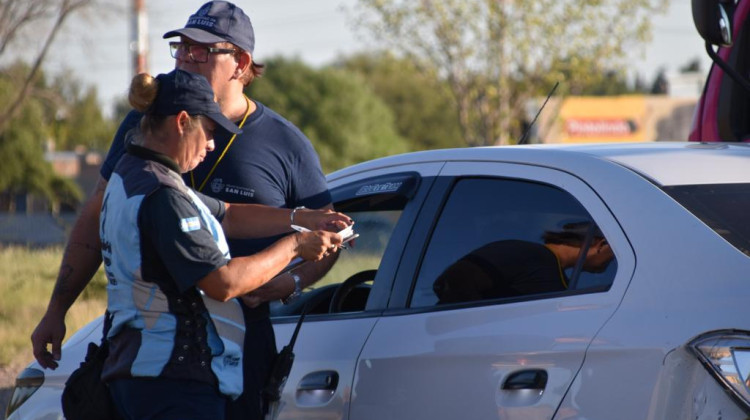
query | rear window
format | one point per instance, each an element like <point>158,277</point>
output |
<point>723,207</point>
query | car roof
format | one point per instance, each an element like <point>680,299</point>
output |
<point>664,163</point>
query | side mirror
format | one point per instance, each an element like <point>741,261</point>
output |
<point>713,19</point>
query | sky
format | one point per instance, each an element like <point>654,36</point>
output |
<point>97,51</point>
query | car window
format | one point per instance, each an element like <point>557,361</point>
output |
<point>723,207</point>
<point>509,239</point>
<point>362,257</point>
<point>375,206</point>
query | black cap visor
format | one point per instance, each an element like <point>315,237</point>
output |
<point>224,122</point>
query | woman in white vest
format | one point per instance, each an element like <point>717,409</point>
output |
<point>175,344</point>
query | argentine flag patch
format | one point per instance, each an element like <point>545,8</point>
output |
<point>190,224</point>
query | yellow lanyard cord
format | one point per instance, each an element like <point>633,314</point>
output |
<point>560,270</point>
<point>224,152</point>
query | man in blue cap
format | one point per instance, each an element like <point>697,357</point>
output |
<point>271,162</point>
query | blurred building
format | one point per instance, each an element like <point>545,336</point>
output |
<point>31,221</point>
<point>626,118</point>
<point>595,119</point>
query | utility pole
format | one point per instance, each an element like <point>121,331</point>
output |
<point>139,37</point>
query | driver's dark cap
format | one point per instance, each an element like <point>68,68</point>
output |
<point>218,21</point>
<point>572,233</point>
<point>180,90</point>
<point>582,229</point>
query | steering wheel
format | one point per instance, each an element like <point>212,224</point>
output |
<point>346,287</point>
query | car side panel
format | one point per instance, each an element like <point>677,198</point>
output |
<point>320,382</point>
<point>325,354</point>
<point>688,281</point>
<point>448,364</point>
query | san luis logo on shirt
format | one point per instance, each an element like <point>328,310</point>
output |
<point>217,186</point>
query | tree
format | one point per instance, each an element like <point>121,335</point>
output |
<point>607,83</point>
<point>660,85</point>
<point>691,66</point>
<point>639,85</point>
<point>121,108</point>
<point>497,54</point>
<point>18,16</point>
<point>30,110</point>
<point>344,120</point>
<point>22,145</point>
<point>78,117</point>
<point>420,101</point>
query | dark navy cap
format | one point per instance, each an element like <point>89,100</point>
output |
<point>180,90</point>
<point>219,21</point>
<point>582,228</point>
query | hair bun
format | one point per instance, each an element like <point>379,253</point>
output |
<point>143,90</point>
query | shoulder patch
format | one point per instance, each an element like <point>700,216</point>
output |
<point>190,224</point>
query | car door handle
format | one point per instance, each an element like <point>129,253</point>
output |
<point>326,380</point>
<point>526,379</point>
<point>317,388</point>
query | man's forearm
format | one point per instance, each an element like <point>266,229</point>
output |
<point>82,255</point>
<point>79,264</point>
<point>283,285</point>
<point>314,271</point>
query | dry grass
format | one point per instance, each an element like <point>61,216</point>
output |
<point>27,277</point>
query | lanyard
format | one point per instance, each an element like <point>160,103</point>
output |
<point>224,152</point>
<point>560,270</point>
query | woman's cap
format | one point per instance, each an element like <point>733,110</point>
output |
<point>180,90</point>
<point>218,21</point>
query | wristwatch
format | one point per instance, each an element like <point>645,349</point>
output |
<point>297,290</point>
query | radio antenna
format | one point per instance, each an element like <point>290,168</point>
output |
<point>528,129</point>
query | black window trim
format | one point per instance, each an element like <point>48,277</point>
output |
<point>406,279</point>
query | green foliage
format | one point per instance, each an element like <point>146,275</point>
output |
<point>24,168</point>
<point>692,66</point>
<point>421,102</point>
<point>21,149</point>
<point>660,84</point>
<point>121,109</point>
<point>80,121</point>
<point>599,83</point>
<point>497,55</point>
<point>343,119</point>
<point>60,114</point>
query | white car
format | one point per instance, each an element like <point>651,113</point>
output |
<point>446,306</point>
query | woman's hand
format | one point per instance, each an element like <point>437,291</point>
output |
<point>317,244</point>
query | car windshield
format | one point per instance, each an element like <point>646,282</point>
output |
<point>723,207</point>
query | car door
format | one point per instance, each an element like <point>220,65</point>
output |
<point>489,356</point>
<point>383,204</point>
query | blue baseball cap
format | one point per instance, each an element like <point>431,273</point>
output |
<point>219,21</point>
<point>180,90</point>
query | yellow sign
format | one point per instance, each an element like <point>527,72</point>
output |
<point>632,118</point>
